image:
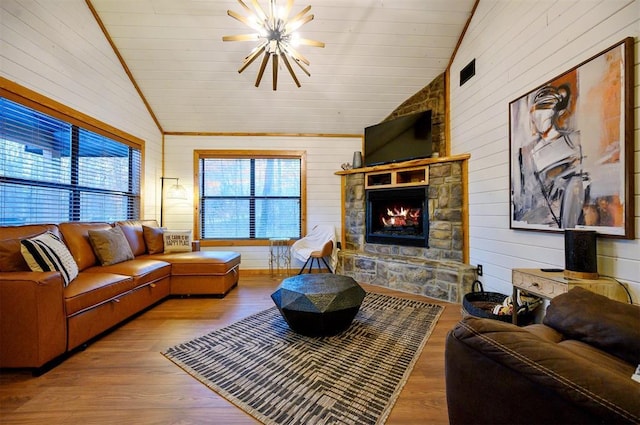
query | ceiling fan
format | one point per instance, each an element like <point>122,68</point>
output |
<point>276,36</point>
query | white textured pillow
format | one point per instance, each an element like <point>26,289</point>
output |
<point>177,240</point>
<point>47,253</point>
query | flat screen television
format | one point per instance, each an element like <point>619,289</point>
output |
<point>400,139</point>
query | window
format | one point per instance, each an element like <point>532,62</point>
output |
<point>52,170</point>
<point>250,196</point>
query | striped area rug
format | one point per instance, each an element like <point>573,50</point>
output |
<point>281,377</point>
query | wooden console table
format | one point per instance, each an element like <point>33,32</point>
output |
<point>551,284</point>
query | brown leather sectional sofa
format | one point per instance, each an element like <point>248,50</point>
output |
<point>575,368</point>
<point>41,319</point>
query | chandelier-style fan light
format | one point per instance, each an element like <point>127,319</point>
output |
<point>276,36</point>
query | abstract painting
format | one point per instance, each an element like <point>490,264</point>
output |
<point>571,149</point>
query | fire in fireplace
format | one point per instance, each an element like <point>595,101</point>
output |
<point>398,216</point>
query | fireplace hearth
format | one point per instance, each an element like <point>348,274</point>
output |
<point>398,216</point>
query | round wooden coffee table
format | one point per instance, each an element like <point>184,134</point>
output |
<point>318,304</point>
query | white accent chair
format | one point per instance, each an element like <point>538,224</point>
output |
<point>318,245</point>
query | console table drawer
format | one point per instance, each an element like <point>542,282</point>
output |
<point>542,287</point>
<point>550,284</point>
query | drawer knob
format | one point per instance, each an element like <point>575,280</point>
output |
<point>535,284</point>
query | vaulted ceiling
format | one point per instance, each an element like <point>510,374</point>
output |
<point>378,53</point>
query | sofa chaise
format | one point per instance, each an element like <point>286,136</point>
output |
<point>42,316</point>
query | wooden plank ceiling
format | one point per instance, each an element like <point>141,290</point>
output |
<point>378,53</point>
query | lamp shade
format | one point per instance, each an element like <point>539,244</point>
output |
<point>176,191</point>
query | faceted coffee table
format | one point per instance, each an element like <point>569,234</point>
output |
<point>318,304</point>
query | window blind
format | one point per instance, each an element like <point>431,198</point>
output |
<point>52,171</point>
<point>250,198</point>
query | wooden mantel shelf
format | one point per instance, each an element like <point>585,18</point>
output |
<point>405,164</point>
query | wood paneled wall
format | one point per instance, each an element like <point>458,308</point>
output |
<point>519,45</point>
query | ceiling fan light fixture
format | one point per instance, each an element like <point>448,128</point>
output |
<point>276,36</point>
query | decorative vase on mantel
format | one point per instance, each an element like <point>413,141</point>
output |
<point>357,159</point>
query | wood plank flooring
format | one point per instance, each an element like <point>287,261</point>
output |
<point>122,378</point>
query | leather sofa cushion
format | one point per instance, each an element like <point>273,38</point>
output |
<point>142,270</point>
<point>11,259</point>
<point>544,332</point>
<point>76,237</point>
<point>200,262</point>
<point>91,289</point>
<point>607,324</point>
<point>598,357</point>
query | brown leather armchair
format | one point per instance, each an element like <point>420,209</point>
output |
<point>575,368</point>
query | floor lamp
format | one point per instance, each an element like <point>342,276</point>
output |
<point>175,191</point>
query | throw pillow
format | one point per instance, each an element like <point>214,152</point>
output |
<point>607,324</point>
<point>110,246</point>
<point>47,253</point>
<point>177,240</point>
<point>153,239</point>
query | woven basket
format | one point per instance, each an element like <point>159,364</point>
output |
<point>480,304</point>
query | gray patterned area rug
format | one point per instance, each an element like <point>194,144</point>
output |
<point>280,377</point>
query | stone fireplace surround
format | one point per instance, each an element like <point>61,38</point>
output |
<point>438,271</point>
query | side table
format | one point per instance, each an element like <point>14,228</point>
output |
<point>551,284</point>
<point>279,257</point>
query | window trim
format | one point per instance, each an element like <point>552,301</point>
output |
<point>31,99</point>
<point>246,154</point>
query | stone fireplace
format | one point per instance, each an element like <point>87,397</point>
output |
<point>434,267</point>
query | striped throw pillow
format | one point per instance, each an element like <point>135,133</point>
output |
<point>47,253</point>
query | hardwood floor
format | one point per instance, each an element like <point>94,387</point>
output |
<point>122,377</point>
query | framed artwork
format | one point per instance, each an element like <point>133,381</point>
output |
<point>571,149</point>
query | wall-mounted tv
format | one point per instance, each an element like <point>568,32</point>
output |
<point>400,139</point>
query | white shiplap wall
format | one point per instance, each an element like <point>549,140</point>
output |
<point>56,48</point>
<point>324,157</point>
<point>519,45</point>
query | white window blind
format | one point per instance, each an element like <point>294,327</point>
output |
<point>250,198</point>
<point>52,171</point>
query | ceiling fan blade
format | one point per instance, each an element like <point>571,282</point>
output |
<point>245,6</point>
<point>275,72</point>
<point>252,56</point>
<point>293,74</point>
<point>297,59</point>
<point>287,9</point>
<point>308,42</point>
<point>258,8</point>
<point>241,37</point>
<point>302,67</point>
<point>296,55</point>
<point>263,65</point>
<point>272,9</point>
<point>297,23</point>
<point>301,14</point>
<point>244,20</point>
